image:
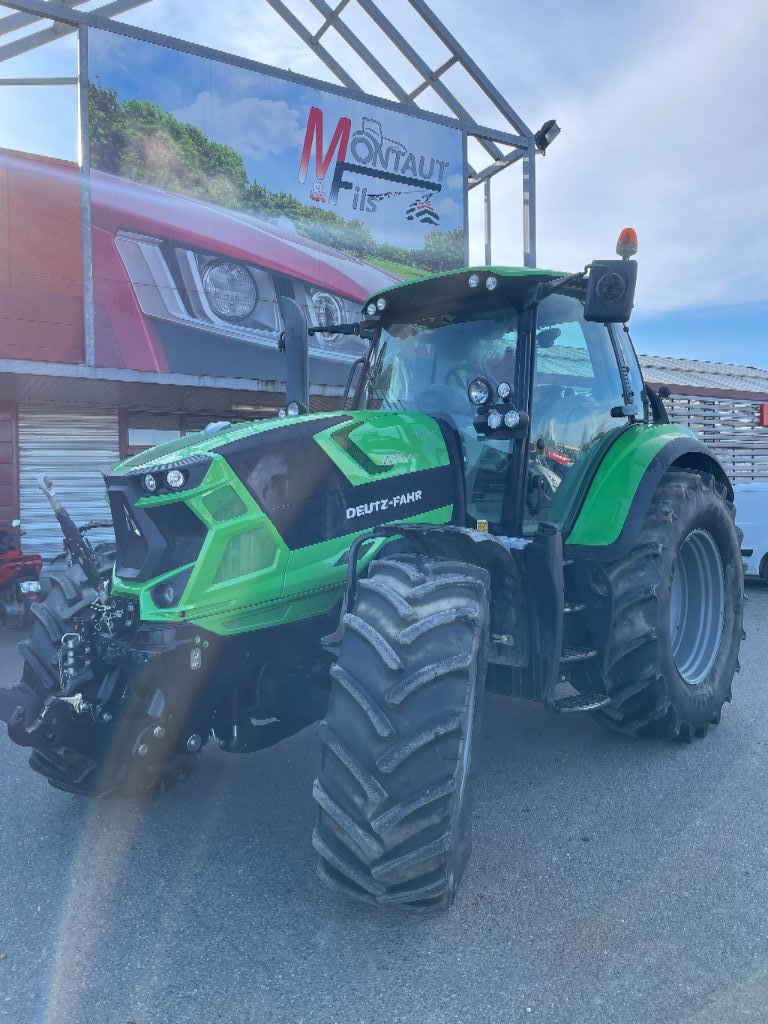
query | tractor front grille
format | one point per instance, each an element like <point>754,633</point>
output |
<point>155,540</point>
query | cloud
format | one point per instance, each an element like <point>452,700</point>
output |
<point>447,206</point>
<point>257,128</point>
<point>663,127</point>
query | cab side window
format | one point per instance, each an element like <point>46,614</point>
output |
<point>576,385</point>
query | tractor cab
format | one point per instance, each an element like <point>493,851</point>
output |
<point>530,384</point>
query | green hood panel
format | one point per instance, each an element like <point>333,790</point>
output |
<point>197,444</point>
<point>281,502</point>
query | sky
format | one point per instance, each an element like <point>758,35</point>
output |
<point>664,124</point>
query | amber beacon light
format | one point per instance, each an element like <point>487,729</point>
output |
<point>627,243</point>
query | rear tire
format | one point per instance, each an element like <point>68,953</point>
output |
<point>678,608</point>
<point>396,773</point>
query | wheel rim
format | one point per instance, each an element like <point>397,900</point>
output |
<point>697,607</point>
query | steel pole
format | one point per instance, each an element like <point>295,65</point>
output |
<point>487,220</point>
<point>529,206</point>
<point>89,333</point>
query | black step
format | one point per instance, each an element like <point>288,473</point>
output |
<point>574,703</point>
<point>572,655</point>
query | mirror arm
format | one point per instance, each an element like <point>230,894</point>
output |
<point>544,290</point>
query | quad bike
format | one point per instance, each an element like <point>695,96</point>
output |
<point>503,507</point>
<point>19,579</point>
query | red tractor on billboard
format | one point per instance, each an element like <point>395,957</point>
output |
<point>179,285</point>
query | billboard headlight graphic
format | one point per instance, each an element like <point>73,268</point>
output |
<point>227,297</point>
<point>230,290</point>
<point>328,311</point>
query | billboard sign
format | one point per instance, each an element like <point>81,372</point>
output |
<point>215,189</point>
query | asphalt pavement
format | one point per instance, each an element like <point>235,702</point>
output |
<point>612,881</point>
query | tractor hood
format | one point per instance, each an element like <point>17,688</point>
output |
<point>266,511</point>
<point>200,443</point>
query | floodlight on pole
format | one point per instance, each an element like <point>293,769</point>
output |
<point>546,135</point>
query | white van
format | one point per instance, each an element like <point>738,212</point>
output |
<point>752,516</point>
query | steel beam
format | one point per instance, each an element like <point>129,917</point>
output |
<point>478,76</point>
<point>359,48</point>
<point>478,177</point>
<point>62,26</point>
<point>108,373</point>
<point>303,33</point>
<point>330,20</point>
<point>424,70</point>
<point>38,81</point>
<point>14,22</point>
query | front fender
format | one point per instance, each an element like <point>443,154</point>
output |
<point>622,487</point>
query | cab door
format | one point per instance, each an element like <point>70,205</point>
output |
<point>577,405</point>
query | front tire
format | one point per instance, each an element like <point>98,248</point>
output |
<point>394,787</point>
<point>678,608</point>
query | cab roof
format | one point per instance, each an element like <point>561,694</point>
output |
<point>453,285</point>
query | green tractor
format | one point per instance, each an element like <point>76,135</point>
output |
<point>500,504</point>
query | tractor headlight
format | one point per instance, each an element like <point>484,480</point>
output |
<point>175,479</point>
<point>494,419</point>
<point>150,482</point>
<point>164,595</point>
<point>479,391</point>
<point>504,390</point>
<point>370,309</point>
<point>230,290</point>
<point>169,593</point>
<point>511,419</point>
<point>328,312</point>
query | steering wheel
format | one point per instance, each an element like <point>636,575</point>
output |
<point>472,372</point>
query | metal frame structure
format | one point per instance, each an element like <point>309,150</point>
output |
<point>520,143</point>
<point>517,136</point>
<point>518,139</point>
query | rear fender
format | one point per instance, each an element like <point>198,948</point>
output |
<point>612,512</point>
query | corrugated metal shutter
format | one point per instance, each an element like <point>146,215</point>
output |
<point>72,448</point>
<point>731,428</point>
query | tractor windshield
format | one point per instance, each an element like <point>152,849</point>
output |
<point>425,366</point>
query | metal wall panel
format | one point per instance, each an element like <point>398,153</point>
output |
<point>73,448</point>
<point>731,428</point>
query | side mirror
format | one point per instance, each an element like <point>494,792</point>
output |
<point>610,291</point>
